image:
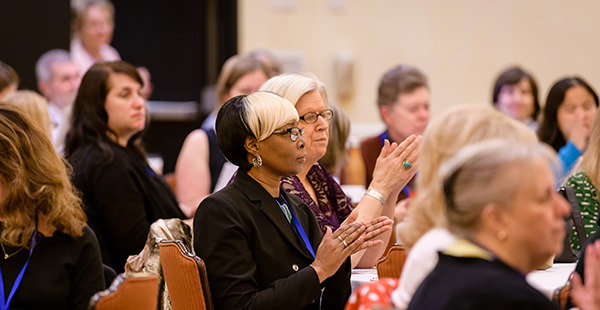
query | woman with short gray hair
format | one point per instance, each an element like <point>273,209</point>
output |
<point>506,229</point>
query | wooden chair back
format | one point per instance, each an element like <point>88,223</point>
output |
<point>185,276</point>
<point>128,291</point>
<point>390,266</point>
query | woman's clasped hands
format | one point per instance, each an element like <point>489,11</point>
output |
<point>349,238</point>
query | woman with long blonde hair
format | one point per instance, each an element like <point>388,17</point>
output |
<point>585,180</point>
<point>47,249</point>
<point>427,221</point>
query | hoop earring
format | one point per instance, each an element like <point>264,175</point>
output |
<point>257,161</point>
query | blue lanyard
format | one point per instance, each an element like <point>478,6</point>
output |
<point>298,227</point>
<point>382,138</point>
<point>4,303</point>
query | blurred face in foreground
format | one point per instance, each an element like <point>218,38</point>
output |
<point>534,220</point>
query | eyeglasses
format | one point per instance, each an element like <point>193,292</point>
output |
<point>312,117</point>
<point>294,132</point>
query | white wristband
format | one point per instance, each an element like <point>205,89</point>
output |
<point>373,193</point>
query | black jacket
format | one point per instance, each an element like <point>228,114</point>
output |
<point>254,259</point>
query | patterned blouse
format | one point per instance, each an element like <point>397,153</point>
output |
<point>587,197</point>
<point>333,205</point>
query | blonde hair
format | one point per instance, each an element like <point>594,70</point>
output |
<point>293,86</point>
<point>266,112</point>
<point>458,127</point>
<point>339,130</point>
<point>34,182</point>
<point>34,105</point>
<point>484,173</point>
<point>590,161</point>
<point>234,69</point>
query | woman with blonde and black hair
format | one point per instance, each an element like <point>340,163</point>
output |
<point>48,252</point>
<point>585,181</point>
<point>262,246</point>
<point>396,164</point>
<point>200,161</point>
<point>506,230</point>
<point>424,231</point>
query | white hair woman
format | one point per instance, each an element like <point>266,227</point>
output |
<point>425,229</point>
<point>263,247</point>
<point>396,165</point>
<point>505,228</point>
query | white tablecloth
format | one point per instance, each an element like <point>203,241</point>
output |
<point>544,280</point>
<point>550,279</point>
<point>360,276</point>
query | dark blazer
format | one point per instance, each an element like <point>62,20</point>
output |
<point>254,259</point>
<point>122,198</point>
<point>473,283</point>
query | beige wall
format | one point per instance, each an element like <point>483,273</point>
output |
<point>462,45</point>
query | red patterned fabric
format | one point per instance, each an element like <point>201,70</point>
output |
<point>375,293</point>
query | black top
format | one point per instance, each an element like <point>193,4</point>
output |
<point>63,272</point>
<point>122,198</point>
<point>254,260</point>
<point>216,159</point>
<point>463,283</point>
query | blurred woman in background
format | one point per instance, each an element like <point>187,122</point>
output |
<point>200,162</point>
<point>568,115</point>
<point>34,105</point>
<point>516,95</point>
<point>122,194</point>
<point>93,26</point>
<point>585,181</point>
<point>9,80</point>
<point>336,155</point>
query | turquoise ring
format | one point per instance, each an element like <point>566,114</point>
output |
<point>407,164</point>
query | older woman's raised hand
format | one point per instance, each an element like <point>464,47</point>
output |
<point>348,239</point>
<point>587,297</point>
<point>390,171</point>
